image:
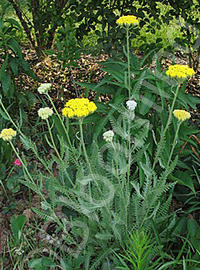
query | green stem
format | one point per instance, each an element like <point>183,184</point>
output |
<point>129,150</point>
<point>88,163</point>
<point>25,168</point>
<point>58,154</point>
<point>128,59</point>
<point>52,140</point>
<point>83,144</point>
<point>166,127</point>
<point>65,130</point>
<point>8,115</point>
<point>174,143</point>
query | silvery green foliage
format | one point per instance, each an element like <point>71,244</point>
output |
<point>109,197</point>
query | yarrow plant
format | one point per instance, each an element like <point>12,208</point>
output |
<point>108,136</point>
<point>78,107</point>
<point>44,113</point>
<point>7,134</point>
<point>44,88</point>
<point>127,20</point>
<point>180,71</point>
<point>181,115</point>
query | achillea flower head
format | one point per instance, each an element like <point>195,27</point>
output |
<point>7,134</point>
<point>78,107</point>
<point>17,162</point>
<point>181,115</point>
<point>127,20</point>
<point>131,105</point>
<point>180,71</point>
<point>44,113</point>
<point>108,136</point>
<point>44,88</point>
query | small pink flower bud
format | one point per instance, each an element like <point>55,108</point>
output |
<point>17,162</point>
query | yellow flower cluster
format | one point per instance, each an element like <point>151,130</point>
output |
<point>78,107</point>
<point>127,20</point>
<point>180,71</point>
<point>181,115</point>
<point>7,134</point>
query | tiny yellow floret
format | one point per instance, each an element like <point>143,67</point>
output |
<point>78,107</point>
<point>7,134</point>
<point>180,71</point>
<point>181,115</point>
<point>127,20</point>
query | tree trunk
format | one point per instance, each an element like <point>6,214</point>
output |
<point>23,22</point>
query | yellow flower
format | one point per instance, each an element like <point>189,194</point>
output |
<point>127,20</point>
<point>7,134</point>
<point>44,113</point>
<point>78,107</point>
<point>181,115</point>
<point>180,71</point>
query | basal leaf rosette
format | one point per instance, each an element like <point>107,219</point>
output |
<point>78,107</point>
<point>180,71</point>
<point>127,20</point>
<point>181,115</point>
<point>7,134</point>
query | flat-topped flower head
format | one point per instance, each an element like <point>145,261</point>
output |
<point>108,135</point>
<point>131,105</point>
<point>78,107</point>
<point>127,20</point>
<point>180,71</point>
<point>7,134</point>
<point>44,113</point>
<point>44,88</point>
<point>181,115</point>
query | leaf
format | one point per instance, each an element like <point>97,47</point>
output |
<point>104,236</point>
<point>14,66</point>
<point>185,179</point>
<point>5,79</point>
<point>192,227</point>
<point>14,22</point>
<point>13,184</point>
<point>17,224</point>
<point>13,44</point>
<point>147,102</point>
<point>4,115</point>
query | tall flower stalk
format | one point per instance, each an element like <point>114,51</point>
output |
<point>179,73</point>
<point>128,60</point>
<point>128,22</point>
<point>44,89</point>
<point>181,115</point>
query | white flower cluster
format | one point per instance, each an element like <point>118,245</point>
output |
<point>131,105</point>
<point>108,135</point>
<point>44,113</point>
<point>44,88</point>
